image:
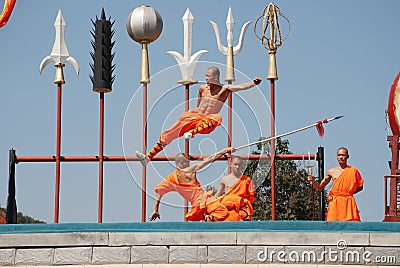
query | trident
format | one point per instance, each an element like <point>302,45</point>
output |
<point>230,51</point>
<point>309,164</point>
<point>59,55</point>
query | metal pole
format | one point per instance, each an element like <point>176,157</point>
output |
<point>101,159</point>
<point>186,203</point>
<point>144,147</point>
<point>230,102</point>
<point>58,154</point>
<point>321,173</point>
<point>11,217</point>
<point>272,144</point>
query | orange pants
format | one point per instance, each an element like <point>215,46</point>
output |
<point>214,209</point>
<point>191,120</point>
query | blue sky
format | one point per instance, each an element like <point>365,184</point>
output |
<point>340,58</point>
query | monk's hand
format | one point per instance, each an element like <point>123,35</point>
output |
<point>257,80</point>
<point>230,150</point>
<point>310,178</point>
<point>154,216</point>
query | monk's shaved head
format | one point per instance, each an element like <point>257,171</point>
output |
<point>181,157</point>
<point>214,70</point>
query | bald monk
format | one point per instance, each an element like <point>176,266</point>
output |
<point>239,191</point>
<point>347,181</point>
<point>205,118</point>
<point>205,207</point>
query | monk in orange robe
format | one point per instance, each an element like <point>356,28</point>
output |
<point>239,192</point>
<point>205,207</point>
<point>347,181</point>
<point>204,118</point>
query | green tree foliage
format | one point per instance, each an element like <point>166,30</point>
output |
<point>24,219</point>
<point>294,197</point>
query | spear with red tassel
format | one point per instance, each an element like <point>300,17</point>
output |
<point>318,125</point>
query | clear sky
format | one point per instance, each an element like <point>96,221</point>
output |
<point>340,58</point>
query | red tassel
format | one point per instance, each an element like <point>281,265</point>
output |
<point>320,128</point>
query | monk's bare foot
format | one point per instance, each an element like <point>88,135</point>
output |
<point>188,135</point>
<point>143,158</point>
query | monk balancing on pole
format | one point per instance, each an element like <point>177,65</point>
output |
<point>347,181</point>
<point>204,118</point>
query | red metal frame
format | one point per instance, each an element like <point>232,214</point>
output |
<point>392,209</point>
<point>101,158</point>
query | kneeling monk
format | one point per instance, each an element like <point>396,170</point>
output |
<point>183,180</point>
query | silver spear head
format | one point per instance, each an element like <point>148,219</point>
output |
<point>230,22</point>
<point>59,53</point>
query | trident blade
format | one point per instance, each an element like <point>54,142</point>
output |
<point>59,53</point>
<point>229,26</point>
<point>187,62</point>
<point>229,51</point>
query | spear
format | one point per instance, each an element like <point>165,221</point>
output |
<point>59,55</point>
<point>317,124</point>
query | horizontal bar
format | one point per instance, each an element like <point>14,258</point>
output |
<point>19,159</point>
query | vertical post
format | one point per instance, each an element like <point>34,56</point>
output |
<point>272,144</point>
<point>144,147</point>
<point>230,104</point>
<point>186,204</point>
<point>58,155</point>
<point>11,217</point>
<point>101,159</point>
<point>321,173</point>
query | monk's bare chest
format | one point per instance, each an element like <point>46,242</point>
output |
<point>187,177</point>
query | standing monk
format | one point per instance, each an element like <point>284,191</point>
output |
<point>205,118</point>
<point>239,191</point>
<point>205,207</point>
<point>347,181</point>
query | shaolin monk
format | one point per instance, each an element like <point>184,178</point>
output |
<point>347,181</point>
<point>205,118</point>
<point>205,207</point>
<point>239,191</point>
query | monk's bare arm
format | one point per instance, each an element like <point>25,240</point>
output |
<point>221,188</point>
<point>244,86</point>
<point>199,96</point>
<point>156,214</point>
<point>319,186</point>
<point>208,160</point>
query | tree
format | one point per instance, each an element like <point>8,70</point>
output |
<point>294,196</point>
<point>21,218</point>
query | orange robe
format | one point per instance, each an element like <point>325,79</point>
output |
<point>342,205</point>
<point>189,120</point>
<point>239,198</point>
<point>203,203</point>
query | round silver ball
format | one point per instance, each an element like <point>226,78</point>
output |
<point>144,24</point>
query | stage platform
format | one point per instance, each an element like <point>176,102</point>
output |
<point>201,244</point>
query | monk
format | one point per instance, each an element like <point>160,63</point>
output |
<point>202,120</point>
<point>239,191</point>
<point>205,207</point>
<point>347,181</point>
